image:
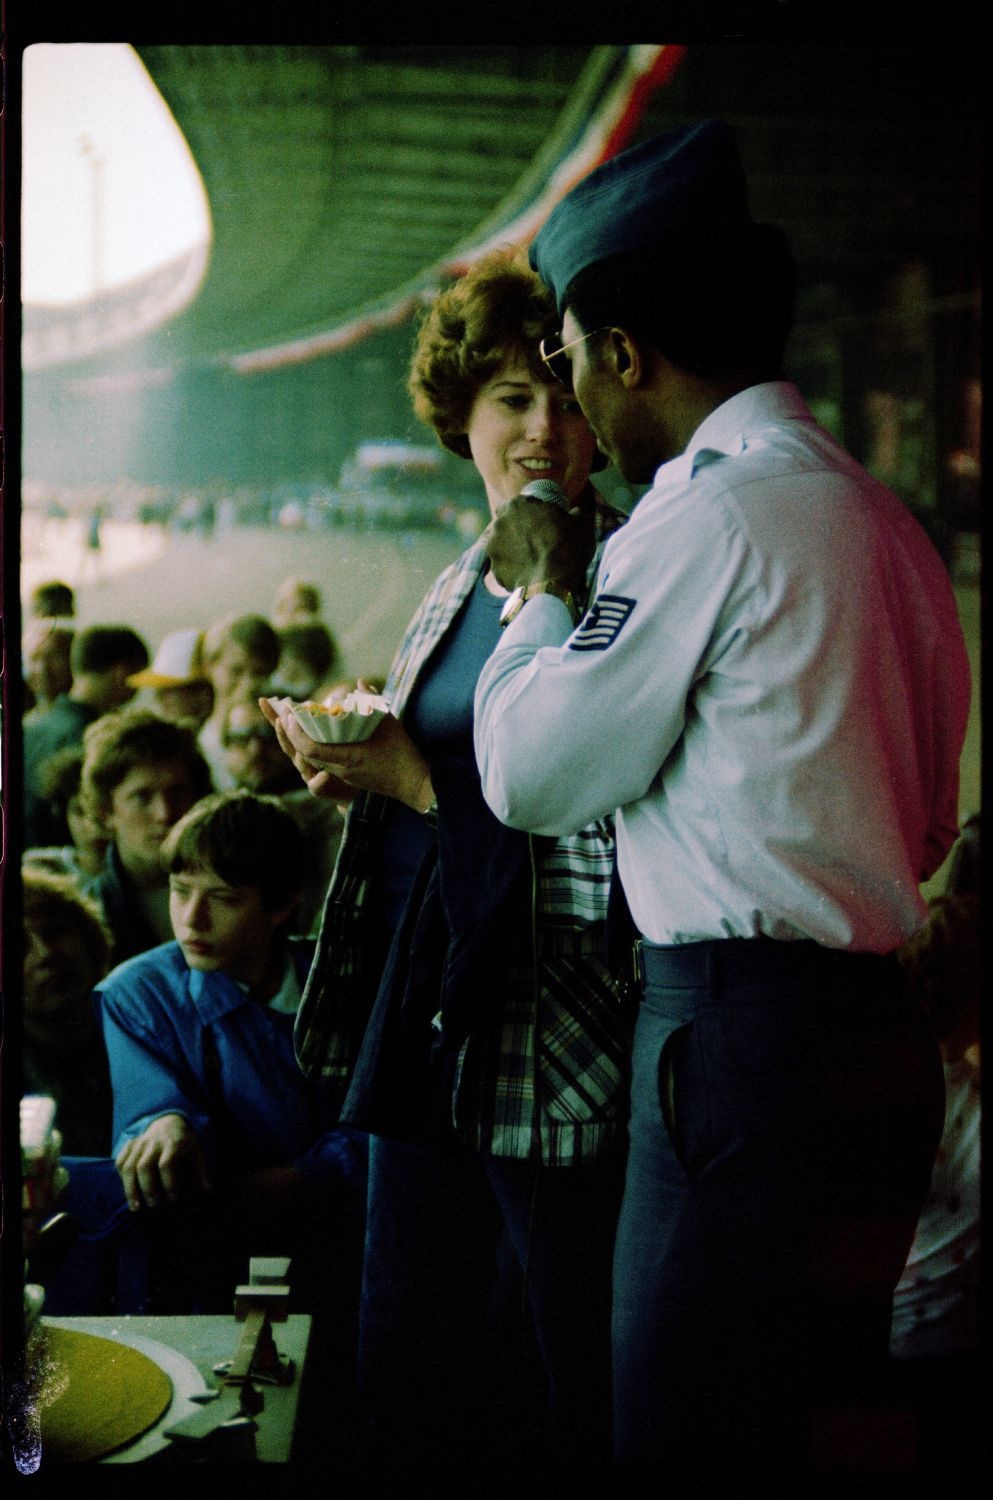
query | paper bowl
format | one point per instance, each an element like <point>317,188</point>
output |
<point>344,722</point>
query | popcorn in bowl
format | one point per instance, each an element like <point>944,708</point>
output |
<point>343,721</point>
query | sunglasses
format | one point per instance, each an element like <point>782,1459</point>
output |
<point>557,360</point>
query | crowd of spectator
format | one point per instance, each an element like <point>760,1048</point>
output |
<point>393,498</point>
<point>159,810</point>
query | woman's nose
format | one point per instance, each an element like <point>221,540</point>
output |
<point>543,418</point>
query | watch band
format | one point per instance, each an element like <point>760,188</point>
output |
<point>520,597</point>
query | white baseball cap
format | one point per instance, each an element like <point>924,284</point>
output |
<point>176,662</point>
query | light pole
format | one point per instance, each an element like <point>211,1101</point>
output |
<point>87,150</point>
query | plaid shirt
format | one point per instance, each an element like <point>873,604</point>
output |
<point>546,1076</point>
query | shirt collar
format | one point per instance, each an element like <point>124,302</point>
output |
<point>215,994</point>
<point>287,997</point>
<point>725,431</point>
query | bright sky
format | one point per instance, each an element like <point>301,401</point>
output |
<point>87,103</point>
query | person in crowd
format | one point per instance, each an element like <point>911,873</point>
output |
<point>309,661</point>
<point>297,601</point>
<point>45,654</point>
<point>255,761</point>
<point>486,1056</point>
<point>253,756</point>
<point>89,562</point>
<point>219,1141</point>
<point>66,953</point>
<point>46,645</point>
<point>771,690</point>
<point>102,658</point>
<point>934,1337</point>
<point>140,775</point>
<point>179,685</point>
<point>60,784</point>
<point>52,600</point>
<point>240,655</point>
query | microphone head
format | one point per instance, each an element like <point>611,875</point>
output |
<point>548,491</point>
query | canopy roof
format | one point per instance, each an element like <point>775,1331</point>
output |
<point>345,181</point>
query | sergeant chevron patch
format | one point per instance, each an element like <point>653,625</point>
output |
<point>602,623</point>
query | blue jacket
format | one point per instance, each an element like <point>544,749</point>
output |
<point>189,1043</point>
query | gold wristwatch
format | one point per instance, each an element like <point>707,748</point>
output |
<point>520,597</point>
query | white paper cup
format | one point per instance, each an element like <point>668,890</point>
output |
<point>346,721</point>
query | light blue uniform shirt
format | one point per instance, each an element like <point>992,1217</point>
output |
<point>771,689</point>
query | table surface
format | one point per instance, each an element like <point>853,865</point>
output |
<point>205,1341</point>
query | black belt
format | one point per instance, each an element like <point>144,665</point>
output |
<point>750,960</point>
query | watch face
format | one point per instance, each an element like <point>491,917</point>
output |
<point>512,606</point>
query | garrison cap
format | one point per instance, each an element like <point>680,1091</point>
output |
<point>676,189</point>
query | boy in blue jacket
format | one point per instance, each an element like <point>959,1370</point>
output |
<point>222,1145</point>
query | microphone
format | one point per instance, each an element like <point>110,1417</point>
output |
<point>548,491</point>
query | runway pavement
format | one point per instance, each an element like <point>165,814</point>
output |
<point>372,581</point>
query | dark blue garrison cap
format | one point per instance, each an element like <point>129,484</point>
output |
<point>685,185</point>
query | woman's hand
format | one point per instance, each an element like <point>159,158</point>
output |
<point>388,762</point>
<point>320,781</point>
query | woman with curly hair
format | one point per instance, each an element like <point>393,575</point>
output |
<point>461,997</point>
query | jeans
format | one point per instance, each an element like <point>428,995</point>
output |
<point>484,1329</point>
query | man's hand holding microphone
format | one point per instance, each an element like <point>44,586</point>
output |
<point>538,543</point>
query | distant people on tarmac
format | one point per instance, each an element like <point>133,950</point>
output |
<point>90,558</point>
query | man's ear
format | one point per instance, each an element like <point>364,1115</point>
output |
<point>627,357</point>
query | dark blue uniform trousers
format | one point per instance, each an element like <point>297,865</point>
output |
<point>787,1103</point>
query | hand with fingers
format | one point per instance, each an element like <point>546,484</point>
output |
<point>388,762</point>
<point>316,769</point>
<point>530,541</point>
<point>165,1162</point>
